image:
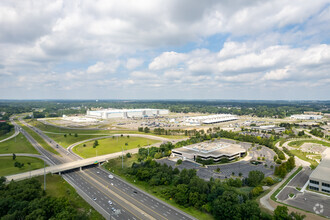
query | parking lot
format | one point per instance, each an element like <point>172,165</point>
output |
<point>226,170</point>
<point>311,201</point>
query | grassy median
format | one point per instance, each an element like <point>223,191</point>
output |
<point>39,139</point>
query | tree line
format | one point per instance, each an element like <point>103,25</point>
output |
<point>222,199</point>
<point>26,200</point>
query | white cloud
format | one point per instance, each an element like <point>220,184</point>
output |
<point>133,63</point>
<point>167,60</point>
<point>103,68</point>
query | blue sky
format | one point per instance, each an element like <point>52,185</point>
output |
<point>187,49</point>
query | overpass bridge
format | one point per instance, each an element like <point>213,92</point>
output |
<point>79,164</point>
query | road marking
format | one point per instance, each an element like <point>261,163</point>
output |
<point>118,196</point>
<point>129,196</point>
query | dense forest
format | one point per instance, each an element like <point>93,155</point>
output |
<point>280,109</point>
<point>26,200</point>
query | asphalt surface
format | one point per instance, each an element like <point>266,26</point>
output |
<point>311,201</point>
<point>226,170</point>
<point>94,185</point>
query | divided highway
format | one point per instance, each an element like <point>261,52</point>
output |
<point>106,194</point>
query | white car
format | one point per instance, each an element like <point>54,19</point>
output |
<point>94,199</point>
<point>111,176</point>
<point>110,203</point>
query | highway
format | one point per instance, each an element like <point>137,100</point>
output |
<point>95,186</point>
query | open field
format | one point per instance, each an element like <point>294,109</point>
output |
<point>17,145</point>
<point>114,166</point>
<point>62,131</point>
<point>7,135</point>
<point>56,186</point>
<point>299,143</point>
<point>39,139</point>
<point>303,156</point>
<point>111,145</point>
<point>7,165</point>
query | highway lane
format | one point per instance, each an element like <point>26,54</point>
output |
<point>153,206</point>
<point>71,178</point>
<point>90,186</point>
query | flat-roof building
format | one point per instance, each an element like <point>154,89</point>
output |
<point>210,119</point>
<point>126,113</point>
<point>319,180</point>
<point>269,128</point>
<point>210,150</point>
<point>306,117</point>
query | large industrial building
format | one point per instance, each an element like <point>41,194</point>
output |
<point>306,117</point>
<point>126,113</point>
<point>210,150</point>
<point>319,180</point>
<point>269,128</point>
<point>210,119</point>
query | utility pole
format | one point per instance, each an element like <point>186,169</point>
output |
<point>122,157</point>
<point>44,176</point>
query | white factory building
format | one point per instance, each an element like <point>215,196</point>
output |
<point>210,119</point>
<point>319,179</point>
<point>306,117</point>
<point>126,113</point>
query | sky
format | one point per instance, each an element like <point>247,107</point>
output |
<point>165,49</point>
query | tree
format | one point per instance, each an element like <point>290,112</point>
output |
<point>76,135</point>
<point>96,143</point>
<point>128,155</point>
<point>14,156</point>
<point>64,135</point>
<point>255,177</point>
<point>146,130</point>
<point>281,213</point>
<point>179,162</point>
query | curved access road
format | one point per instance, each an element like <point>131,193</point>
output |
<point>29,155</point>
<point>14,135</point>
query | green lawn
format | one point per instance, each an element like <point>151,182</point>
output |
<point>114,166</point>
<point>7,134</point>
<point>303,156</point>
<point>111,145</point>
<point>56,186</point>
<point>39,139</point>
<point>70,139</point>
<point>299,143</point>
<point>17,145</point>
<point>7,165</point>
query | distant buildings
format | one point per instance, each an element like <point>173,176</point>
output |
<point>269,128</point>
<point>319,180</point>
<point>126,113</point>
<point>210,150</point>
<point>210,119</point>
<point>306,117</point>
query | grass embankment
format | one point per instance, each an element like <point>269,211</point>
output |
<point>303,156</point>
<point>19,144</point>
<point>39,139</point>
<point>111,145</point>
<point>299,143</point>
<point>114,166</point>
<point>56,186</point>
<point>70,139</point>
<point>4,136</point>
<point>284,184</point>
<point>7,165</point>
